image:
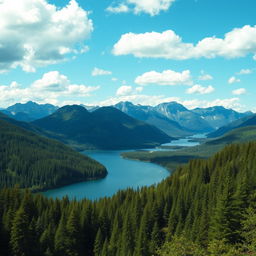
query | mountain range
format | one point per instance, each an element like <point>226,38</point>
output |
<point>104,128</point>
<point>178,121</point>
<point>172,118</point>
<point>242,122</point>
<point>29,111</point>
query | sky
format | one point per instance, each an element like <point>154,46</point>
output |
<point>199,53</point>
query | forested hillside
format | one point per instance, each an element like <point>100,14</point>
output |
<point>39,163</point>
<point>207,207</point>
<point>104,128</point>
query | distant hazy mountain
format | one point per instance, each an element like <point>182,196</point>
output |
<point>219,116</point>
<point>104,128</point>
<point>149,115</point>
<point>242,122</point>
<point>29,111</point>
<point>176,120</point>
<point>186,118</point>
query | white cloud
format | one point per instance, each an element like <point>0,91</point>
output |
<point>233,103</point>
<point>53,88</point>
<point>239,91</point>
<point>151,7</point>
<point>167,77</point>
<point>124,90</point>
<point>35,33</point>
<point>100,72</point>
<point>55,82</point>
<point>245,72</point>
<point>233,80</point>
<point>200,89</point>
<point>237,43</point>
<point>205,77</point>
<point>121,8</point>
<point>52,81</point>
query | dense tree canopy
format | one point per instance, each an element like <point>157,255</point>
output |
<point>207,207</point>
<point>33,161</point>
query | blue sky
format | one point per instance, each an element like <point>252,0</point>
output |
<point>197,52</point>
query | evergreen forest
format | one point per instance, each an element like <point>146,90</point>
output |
<point>38,163</point>
<point>207,207</point>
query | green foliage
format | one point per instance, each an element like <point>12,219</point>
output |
<point>38,163</point>
<point>20,236</point>
<point>180,246</point>
<point>207,207</point>
<point>249,230</point>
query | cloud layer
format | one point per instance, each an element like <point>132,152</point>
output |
<point>53,88</point>
<point>237,43</point>
<point>35,33</point>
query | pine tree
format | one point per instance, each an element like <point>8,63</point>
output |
<point>73,234</point>
<point>155,240</point>
<point>20,236</point>
<point>221,224</point>
<point>115,237</point>
<point>127,239</point>
<point>98,243</point>
<point>60,240</point>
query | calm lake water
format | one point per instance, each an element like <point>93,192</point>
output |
<point>122,174</point>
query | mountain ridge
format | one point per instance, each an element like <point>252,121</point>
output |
<point>104,128</point>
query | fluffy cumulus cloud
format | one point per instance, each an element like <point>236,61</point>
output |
<point>167,77</point>
<point>151,7</point>
<point>239,91</point>
<point>237,43</point>
<point>53,88</point>
<point>233,80</point>
<point>100,72</point>
<point>124,90</point>
<point>35,33</point>
<point>199,89</point>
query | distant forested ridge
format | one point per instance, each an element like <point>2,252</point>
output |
<point>207,207</point>
<point>39,163</point>
<point>104,128</point>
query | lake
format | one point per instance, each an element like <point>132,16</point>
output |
<point>122,174</point>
